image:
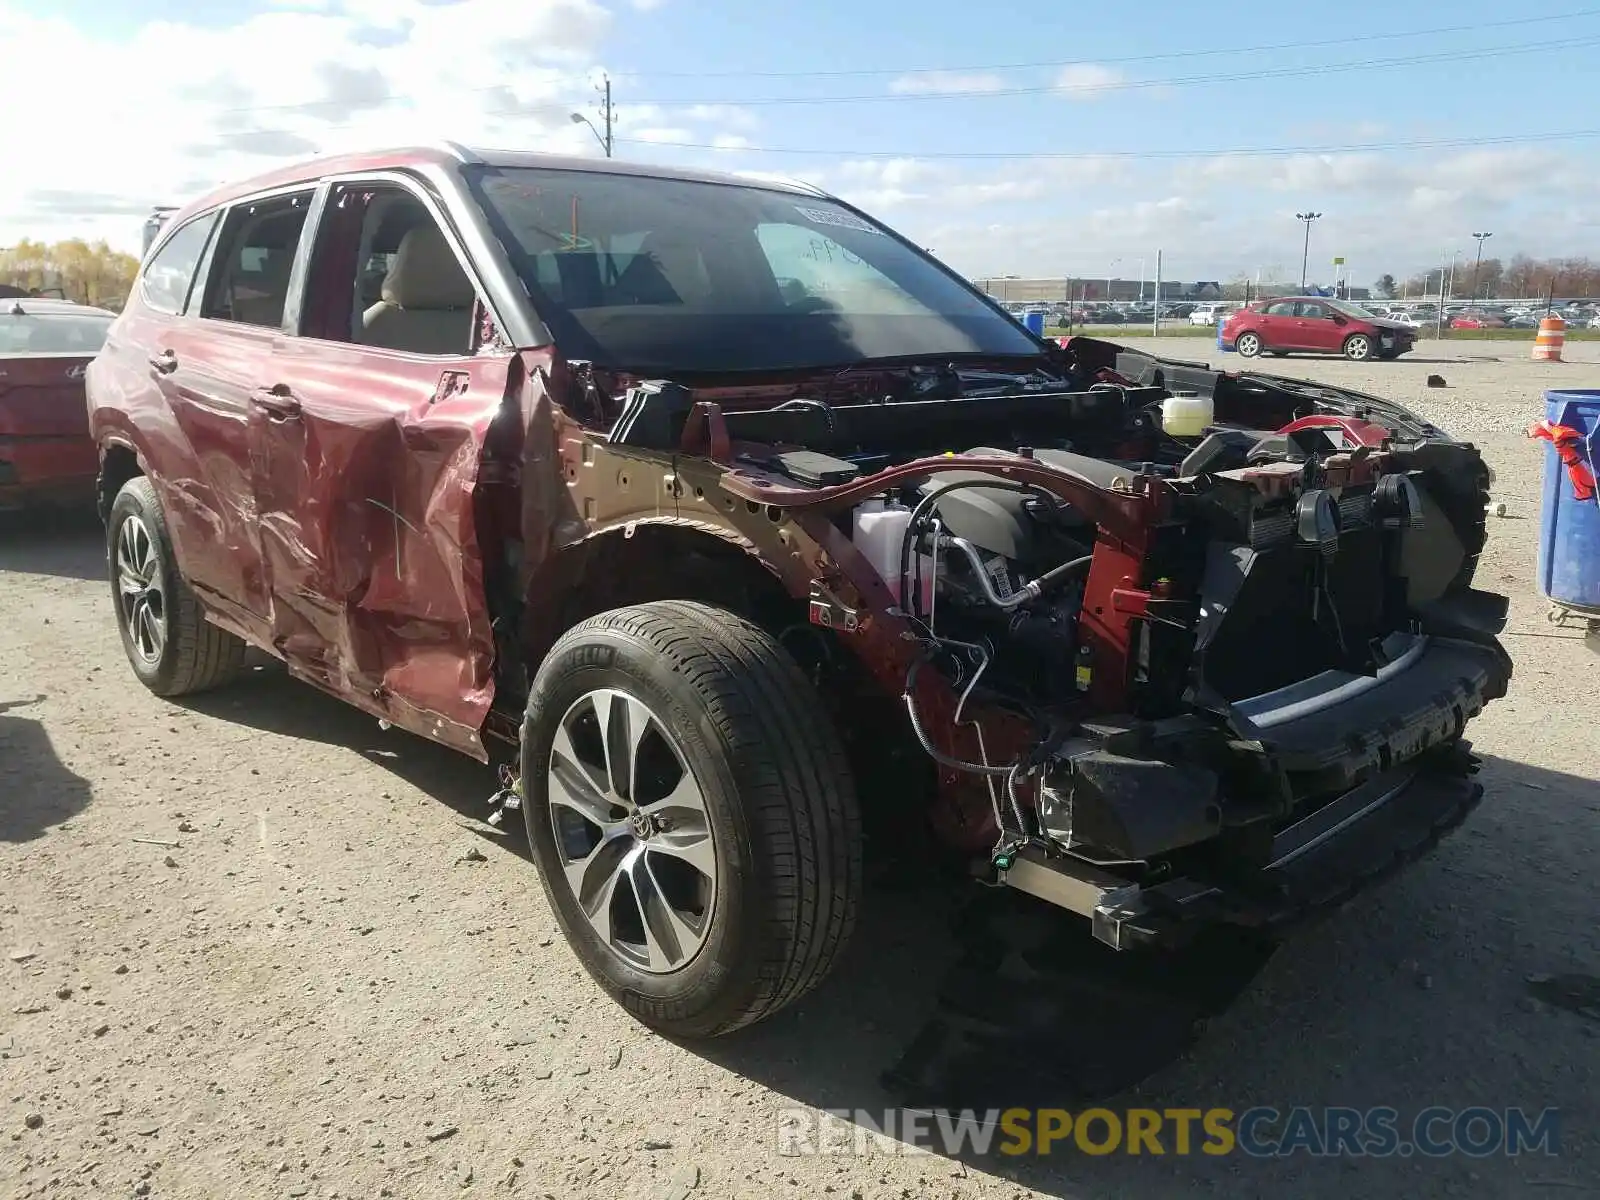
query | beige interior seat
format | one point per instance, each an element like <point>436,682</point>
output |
<point>259,297</point>
<point>427,299</point>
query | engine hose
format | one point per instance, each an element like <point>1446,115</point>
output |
<point>1028,592</point>
<point>939,756</point>
<point>1057,575</point>
<point>925,505</point>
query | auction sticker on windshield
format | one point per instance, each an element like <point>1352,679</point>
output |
<point>828,216</point>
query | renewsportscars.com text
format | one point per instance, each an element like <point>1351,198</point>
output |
<point>1258,1132</point>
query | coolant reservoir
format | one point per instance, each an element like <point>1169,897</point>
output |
<point>879,532</point>
<point>1186,414</point>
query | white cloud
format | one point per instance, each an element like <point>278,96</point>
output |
<point>305,77</point>
<point>1087,81</point>
<point>647,5</point>
<point>897,183</point>
<point>929,83</point>
<point>730,115</point>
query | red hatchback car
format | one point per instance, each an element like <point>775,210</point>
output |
<point>1316,325</point>
<point>46,452</point>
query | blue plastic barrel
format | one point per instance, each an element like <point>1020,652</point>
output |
<point>1033,322</point>
<point>1569,528</point>
<point>1222,345</point>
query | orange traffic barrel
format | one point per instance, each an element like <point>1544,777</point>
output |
<point>1552,336</point>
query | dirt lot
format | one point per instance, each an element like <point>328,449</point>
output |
<point>249,954</point>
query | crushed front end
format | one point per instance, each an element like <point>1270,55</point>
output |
<point>1167,675</point>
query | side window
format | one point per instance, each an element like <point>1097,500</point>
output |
<point>383,274</point>
<point>255,252</point>
<point>1283,308</point>
<point>168,276</point>
<point>1313,312</point>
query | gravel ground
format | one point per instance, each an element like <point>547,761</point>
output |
<point>253,949</point>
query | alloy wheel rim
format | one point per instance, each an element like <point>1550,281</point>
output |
<point>1358,347</point>
<point>140,598</point>
<point>632,832</point>
<point>1249,346</point>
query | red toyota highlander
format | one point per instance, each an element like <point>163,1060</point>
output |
<point>767,545</point>
<point>1316,325</point>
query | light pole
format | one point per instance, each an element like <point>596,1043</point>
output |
<point>1141,280</point>
<point>605,144</point>
<point>1110,272</point>
<point>1482,237</point>
<point>605,111</point>
<point>1305,253</point>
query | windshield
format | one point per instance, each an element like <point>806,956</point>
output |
<point>1352,310</point>
<point>673,276</point>
<point>51,333</point>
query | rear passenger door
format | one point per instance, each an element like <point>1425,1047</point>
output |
<point>1318,329</point>
<point>366,456</point>
<point>1279,329</point>
<point>210,363</point>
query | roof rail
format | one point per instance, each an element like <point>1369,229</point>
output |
<point>462,152</point>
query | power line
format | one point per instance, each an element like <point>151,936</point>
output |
<point>1139,155</point>
<point>1120,61</point>
<point>1116,85</point>
<point>1136,84</point>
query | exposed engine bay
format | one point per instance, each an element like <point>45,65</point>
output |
<point>1163,616</point>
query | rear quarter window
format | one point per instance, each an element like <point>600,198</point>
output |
<point>169,275</point>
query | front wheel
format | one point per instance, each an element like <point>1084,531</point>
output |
<point>1358,347</point>
<point>1248,345</point>
<point>692,814</point>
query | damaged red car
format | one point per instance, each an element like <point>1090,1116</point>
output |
<point>769,542</point>
<point>46,453</point>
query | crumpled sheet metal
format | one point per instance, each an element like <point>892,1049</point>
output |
<point>378,588</point>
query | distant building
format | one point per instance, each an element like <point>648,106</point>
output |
<point>1010,289</point>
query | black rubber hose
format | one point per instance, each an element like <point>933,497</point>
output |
<point>934,752</point>
<point>1058,575</point>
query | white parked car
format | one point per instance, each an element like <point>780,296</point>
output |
<point>1209,314</point>
<point>1414,320</point>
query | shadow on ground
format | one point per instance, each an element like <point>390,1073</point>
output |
<point>37,790</point>
<point>268,699</point>
<point>1469,979</point>
<point>66,543</point>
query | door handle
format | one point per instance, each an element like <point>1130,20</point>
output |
<point>278,401</point>
<point>165,363</point>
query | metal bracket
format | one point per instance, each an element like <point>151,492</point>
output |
<point>829,612</point>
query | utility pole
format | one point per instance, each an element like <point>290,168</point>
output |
<point>1305,253</point>
<point>607,114</point>
<point>1481,238</point>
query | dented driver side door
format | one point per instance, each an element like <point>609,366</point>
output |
<point>366,456</point>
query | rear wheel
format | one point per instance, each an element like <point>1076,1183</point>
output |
<point>692,815</point>
<point>1248,344</point>
<point>1358,347</point>
<point>170,645</point>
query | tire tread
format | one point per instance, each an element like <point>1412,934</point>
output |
<point>794,781</point>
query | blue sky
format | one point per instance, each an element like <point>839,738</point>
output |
<point>1079,138</point>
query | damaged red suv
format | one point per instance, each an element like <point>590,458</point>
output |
<point>763,537</point>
